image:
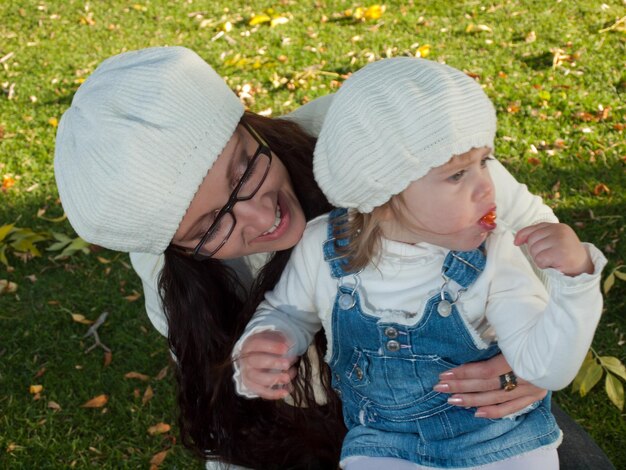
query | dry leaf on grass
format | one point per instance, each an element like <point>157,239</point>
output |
<point>162,373</point>
<point>79,318</point>
<point>7,287</point>
<point>147,395</point>
<point>158,458</point>
<point>159,428</point>
<point>53,405</point>
<point>96,402</point>
<point>133,297</point>
<point>108,357</point>
<point>136,375</point>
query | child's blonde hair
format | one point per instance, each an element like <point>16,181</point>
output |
<point>363,232</point>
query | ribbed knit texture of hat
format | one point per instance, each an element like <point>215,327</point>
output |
<point>140,136</point>
<point>391,122</point>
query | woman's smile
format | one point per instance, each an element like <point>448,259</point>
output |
<point>281,222</point>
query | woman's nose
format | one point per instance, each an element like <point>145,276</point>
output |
<point>256,214</point>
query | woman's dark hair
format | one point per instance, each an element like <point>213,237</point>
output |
<point>207,309</point>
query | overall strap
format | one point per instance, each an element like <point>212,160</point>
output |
<point>464,267</point>
<point>337,262</point>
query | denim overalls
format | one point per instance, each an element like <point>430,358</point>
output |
<point>384,373</point>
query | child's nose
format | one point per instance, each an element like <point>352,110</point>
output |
<point>485,187</point>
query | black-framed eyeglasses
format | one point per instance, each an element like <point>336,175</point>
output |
<point>248,185</point>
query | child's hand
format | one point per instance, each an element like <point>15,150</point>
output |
<point>266,370</point>
<point>556,246</point>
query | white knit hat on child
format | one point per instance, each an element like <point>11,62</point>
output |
<point>391,122</point>
<point>140,136</point>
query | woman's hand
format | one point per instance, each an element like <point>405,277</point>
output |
<point>477,384</point>
<point>265,368</point>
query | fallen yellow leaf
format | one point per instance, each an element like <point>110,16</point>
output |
<point>147,395</point>
<point>259,19</point>
<point>36,389</point>
<point>12,447</point>
<point>477,28</point>
<point>162,373</point>
<point>600,189</point>
<point>108,357</point>
<point>358,13</point>
<point>423,51</point>
<point>96,402</point>
<point>374,12</point>
<point>78,318</point>
<point>159,428</point>
<point>7,182</point>
<point>7,287</point>
<point>136,375</point>
<point>134,296</point>
<point>158,458</point>
<point>53,405</point>
<point>278,20</point>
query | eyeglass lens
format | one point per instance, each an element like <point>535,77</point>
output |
<point>253,179</point>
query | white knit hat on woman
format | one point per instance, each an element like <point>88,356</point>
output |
<point>140,136</point>
<point>391,122</point>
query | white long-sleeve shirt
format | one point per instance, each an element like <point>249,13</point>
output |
<point>544,337</point>
<point>519,208</point>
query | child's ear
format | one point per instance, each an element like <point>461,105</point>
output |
<point>384,212</point>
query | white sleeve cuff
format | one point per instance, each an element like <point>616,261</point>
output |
<point>240,388</point>
<point>563,282</point>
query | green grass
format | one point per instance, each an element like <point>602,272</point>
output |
<point>553,135</point>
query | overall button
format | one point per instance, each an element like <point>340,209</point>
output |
<point>444,308</point>
<point>337,378</point>
<point>338,392</point>
<point>391,332</point>
<point>358,372</point>
<point>393,346</point>
<point>346,302</point>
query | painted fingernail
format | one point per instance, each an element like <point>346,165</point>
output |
<point>446,375</point>
<point>480,414</point>
<point>455,401</point>
<point>442,387</point>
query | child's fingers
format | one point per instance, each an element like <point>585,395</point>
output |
<point>530,233</point>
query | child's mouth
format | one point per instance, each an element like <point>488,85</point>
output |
<point>488,220</point>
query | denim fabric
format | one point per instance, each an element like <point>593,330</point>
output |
<point>384,373</point>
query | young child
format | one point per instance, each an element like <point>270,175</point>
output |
<point>414,277</point>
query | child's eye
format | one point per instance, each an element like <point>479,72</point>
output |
<point>483,162</point>
<point>457,176</point>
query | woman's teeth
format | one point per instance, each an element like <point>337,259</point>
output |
<point>276,221</point>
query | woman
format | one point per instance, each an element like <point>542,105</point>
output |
<point>146,158</point>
